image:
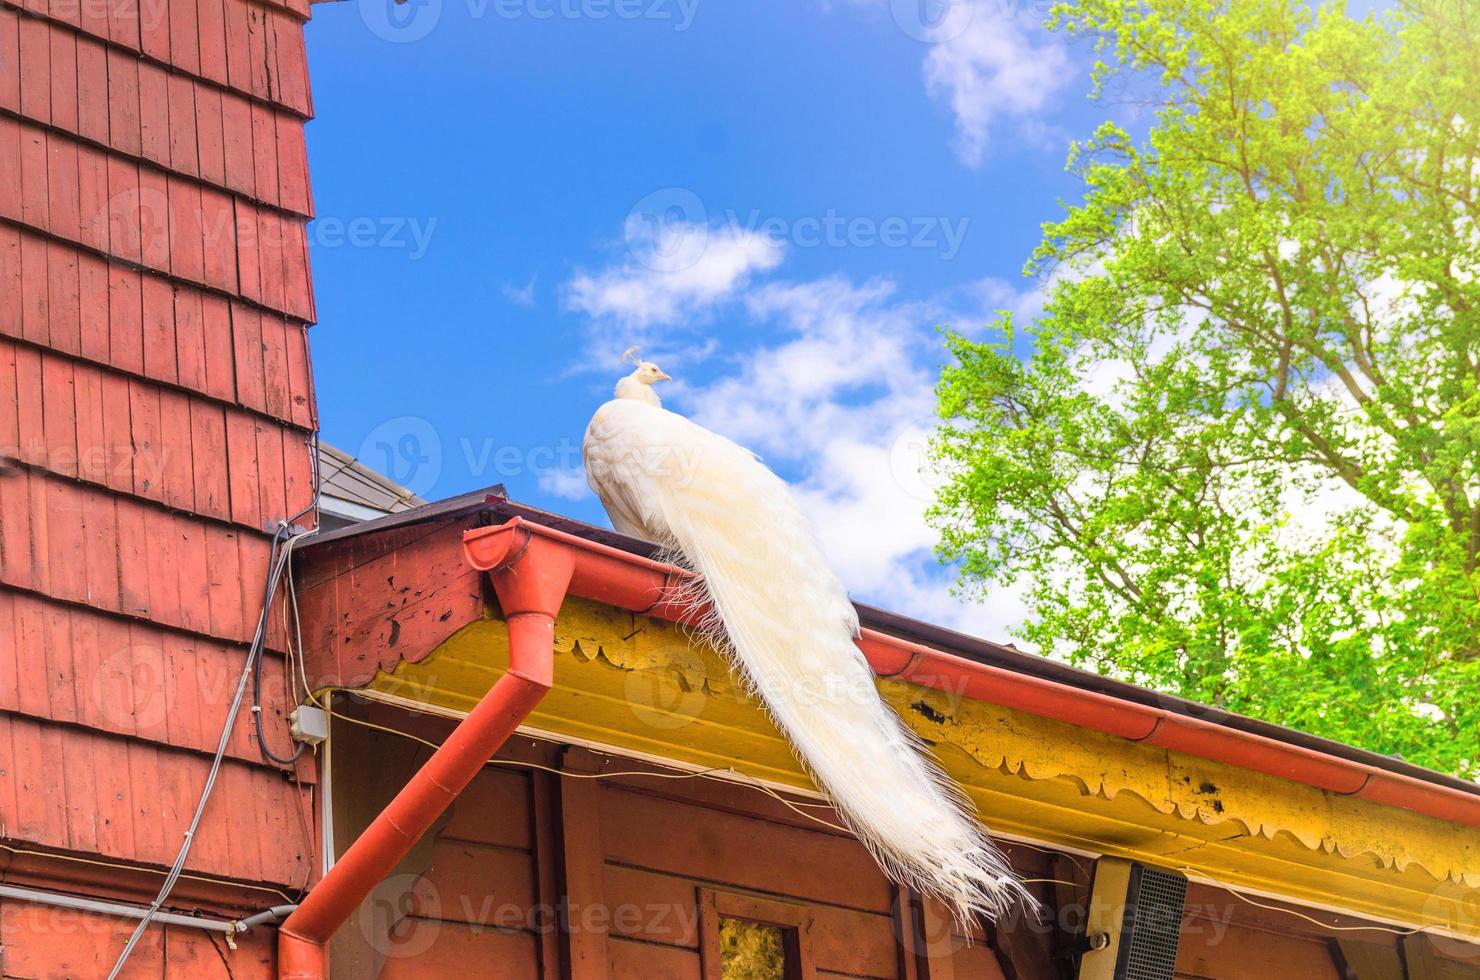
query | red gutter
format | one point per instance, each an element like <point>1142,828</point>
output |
<point>617,578</point>
<point>530,579</point>
<point>534,567</point>
<point>901,660</point>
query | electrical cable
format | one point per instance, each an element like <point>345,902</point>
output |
<point>750,781</point>
<point>120,866</point>
<point>1204,876</point>
<point>262,745</point>
<point>716,772</point>
<point>293,633</point>
<point>317,480</point>
<point>283,540</point>
<point>267,915</point>
<point>274,570</point>
<point>294,672</point>
<point>285,534</point>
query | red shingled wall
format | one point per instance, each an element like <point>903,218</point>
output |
<point>155,416</point>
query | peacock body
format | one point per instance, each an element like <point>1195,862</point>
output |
<point>786,622</point>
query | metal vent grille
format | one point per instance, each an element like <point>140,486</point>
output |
<point>1154,925</point>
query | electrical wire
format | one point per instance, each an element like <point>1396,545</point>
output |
<point>297,663</point>
<point>288,539</point>
<point>716,772</point>
<point>283,540</point>
<point>745,779</point>
<point>290,678</point>
<point>266,750</point>
<point>1014,842</point>
<point>266,915</point>
<point>316,471</point>
<point>1202,875</point>
<point>120,866</point>
<point>254,652</point>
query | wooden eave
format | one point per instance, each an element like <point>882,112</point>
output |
<point>392,609</point>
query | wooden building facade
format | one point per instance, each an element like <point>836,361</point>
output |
<point>156,419</point>
<point>647,800</point>
<point>156,434</point>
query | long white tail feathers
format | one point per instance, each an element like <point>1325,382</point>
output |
<point>786,620</point>
<point>803,665</point>
<point>784,617</point>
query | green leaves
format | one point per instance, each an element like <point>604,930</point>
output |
<point>1238,457</point>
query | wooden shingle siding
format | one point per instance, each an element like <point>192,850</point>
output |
<point>270,67</point>
<point>46,943</point>
<point>145,326</point>
<point>10,56</point>
<point>83,88</point>
<point>156,419</point>
<point>172,226</point>
<point>58,538</point>
<point>82,791</point>
<point>163,444</point>
<point>126,677</point>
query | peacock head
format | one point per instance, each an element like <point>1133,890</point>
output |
<point>639,383</point>
<point>646,372</point>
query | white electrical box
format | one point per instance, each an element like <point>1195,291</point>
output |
<point>309,725</point>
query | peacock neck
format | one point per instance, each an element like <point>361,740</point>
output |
<point>635,390</point>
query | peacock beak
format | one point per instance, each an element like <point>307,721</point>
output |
<point>663,377</point>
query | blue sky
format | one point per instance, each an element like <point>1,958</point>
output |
<point>780,201</point>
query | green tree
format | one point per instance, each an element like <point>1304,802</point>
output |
<point>1236,456</point>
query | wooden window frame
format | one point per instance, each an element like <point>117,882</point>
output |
<point>796,919</point>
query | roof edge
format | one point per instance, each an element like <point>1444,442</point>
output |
<point>492,505</point>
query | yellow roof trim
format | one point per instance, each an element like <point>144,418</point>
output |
<point>639,684</point>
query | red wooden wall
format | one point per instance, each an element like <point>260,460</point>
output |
<point>156,408</point>
<point>477,901</point>
<point>571,864</point>
<point>567,864</point>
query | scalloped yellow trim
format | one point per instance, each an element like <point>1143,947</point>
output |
<point>642,685</point>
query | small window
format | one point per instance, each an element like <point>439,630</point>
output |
<point>750,938</point>
<point>753,950</point>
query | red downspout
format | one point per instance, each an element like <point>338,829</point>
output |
<point>530,576</point>
<point>534,567</point>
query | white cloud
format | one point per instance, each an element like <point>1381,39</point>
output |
<point>679,273</point>
<point>567,482</point>
<point>841,342</point>
<point>988,295</point>
<point>992,71</point>
<point>838,397</point>
<point>992,62</point>
<point>521,296</point>
<point>843,406</point>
